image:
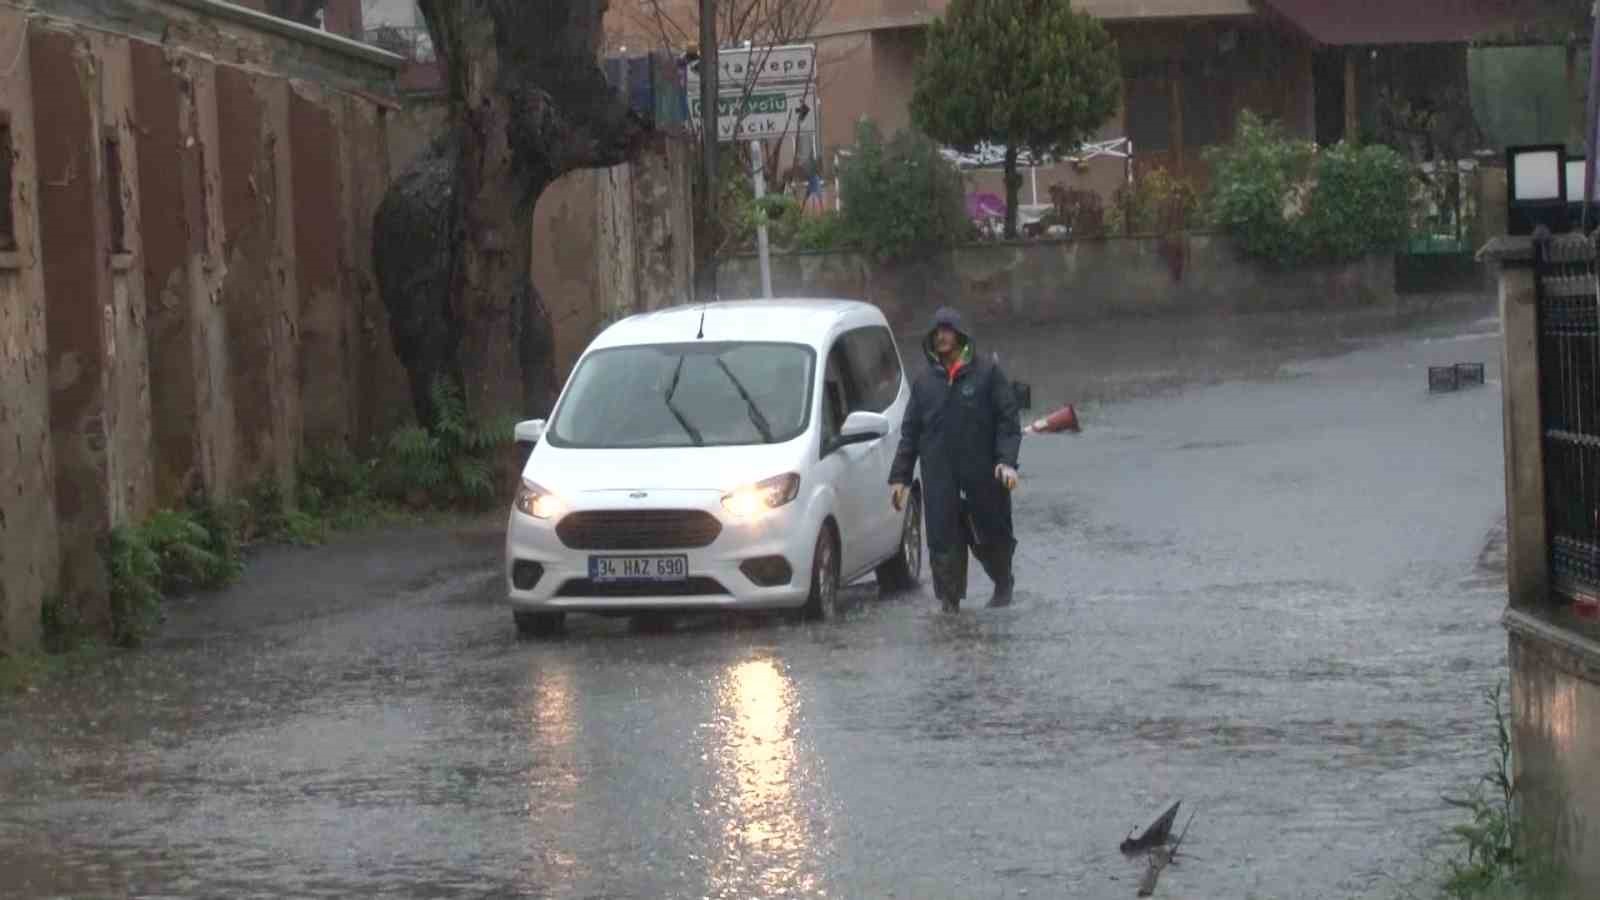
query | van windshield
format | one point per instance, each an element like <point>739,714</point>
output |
<point>701,394</point>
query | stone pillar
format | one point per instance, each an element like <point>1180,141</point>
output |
<point>76,236</point>
<point>325,359</point>
<point>129,471</point>
<point>261,290</point>
<point>29,558</point>
<point>192,419</point>
<point>1527,566</point>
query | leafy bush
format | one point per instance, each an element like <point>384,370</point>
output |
<point>133,569</point>
<point>174,552</point>
<point>1079,210</point>
<point>1157,203</point>
<point>190,555</point>
<point>902,199</point>
<point>1287,203</point>
<point>451,464</point>
<point>1500,859</point>
<point>1360,204</point>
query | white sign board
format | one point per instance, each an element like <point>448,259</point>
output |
<point>739,68</point>
<point>760,92</point>
<point>765,113</point>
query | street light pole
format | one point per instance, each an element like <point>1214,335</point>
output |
<point>707,274</point>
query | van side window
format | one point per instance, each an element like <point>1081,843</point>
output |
<point>874,366</point>
<point>836,391</point>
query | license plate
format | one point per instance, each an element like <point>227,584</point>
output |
<point>638,568</point>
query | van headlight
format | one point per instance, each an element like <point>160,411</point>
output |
<point>533,500</point>
<point>756,500</point>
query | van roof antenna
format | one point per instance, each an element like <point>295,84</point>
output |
<point>702,334</point>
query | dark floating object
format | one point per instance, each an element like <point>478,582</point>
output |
<point>1154,836</point>
<point>1442,379</point>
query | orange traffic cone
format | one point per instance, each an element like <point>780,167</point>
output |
<point>1063,419</point>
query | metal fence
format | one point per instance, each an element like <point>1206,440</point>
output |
<point>1569,373</point>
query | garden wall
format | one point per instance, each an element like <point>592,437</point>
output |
<point>1066,281</point>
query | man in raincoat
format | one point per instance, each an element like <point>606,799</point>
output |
<point>962,423</point>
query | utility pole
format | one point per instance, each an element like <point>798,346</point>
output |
<point>706,275</point>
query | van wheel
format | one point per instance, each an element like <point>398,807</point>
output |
<point>904,570</point>
<point>538,625</point>
<point>823,601</point>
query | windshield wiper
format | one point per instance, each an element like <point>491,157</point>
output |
<point>694,434</point>
<point>756,418</point>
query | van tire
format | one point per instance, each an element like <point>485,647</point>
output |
<point>903,571</point>
<point>823,601</point>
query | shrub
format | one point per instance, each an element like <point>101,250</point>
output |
<point>1157,203</point>
<point>133,569</point>
<point>1287,203</point>
<point>902,199</point>
<point>1080,210</point>
<point>451,464</point>
<point>172,553</point>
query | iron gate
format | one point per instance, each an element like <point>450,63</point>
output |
<point>1568,293</point>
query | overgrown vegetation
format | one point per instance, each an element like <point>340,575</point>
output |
<point>1497,856</point>
<point>902,198</point>
<point>1288,203</point>
<point>1158,203</point>
<point>454,466</point>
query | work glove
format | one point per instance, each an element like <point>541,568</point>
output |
<point>898,496</point>
<point>1006,476</point>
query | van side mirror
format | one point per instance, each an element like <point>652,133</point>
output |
<point>862,428</point>
<point>529,432</point>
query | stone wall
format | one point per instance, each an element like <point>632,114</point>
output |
<point>187,271</point>
<point>1064,281</point>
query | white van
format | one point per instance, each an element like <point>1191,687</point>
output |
<point>718,456</point>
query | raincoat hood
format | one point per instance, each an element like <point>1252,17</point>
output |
<point>946,316</point>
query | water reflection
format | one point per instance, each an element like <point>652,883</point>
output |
<point>548,709</point>
<point>768,846</point>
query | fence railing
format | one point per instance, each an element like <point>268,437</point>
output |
<point>1569,374</point>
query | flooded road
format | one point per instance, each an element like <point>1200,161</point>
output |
<point>1273,592</point>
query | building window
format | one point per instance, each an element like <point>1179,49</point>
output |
<point>1149,103</point>
<point>114,199</point>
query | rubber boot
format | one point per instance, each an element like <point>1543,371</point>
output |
<point>996,560</point>
<point>949,572</point>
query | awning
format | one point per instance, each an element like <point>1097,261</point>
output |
<point>1374,22</point>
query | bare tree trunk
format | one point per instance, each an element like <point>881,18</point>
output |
<point>453,238</point>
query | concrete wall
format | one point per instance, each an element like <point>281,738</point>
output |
<point>1555,701</point>
<point>29,551</point>
<point>1056,281</point>
<point>188,287</point>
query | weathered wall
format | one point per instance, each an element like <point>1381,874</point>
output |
<point>1555,702</point>
<point>186,275</point>
<point>29,553</point>
<point>1050,281</point>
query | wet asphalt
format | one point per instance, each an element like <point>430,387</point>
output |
<point>1268,584</point>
